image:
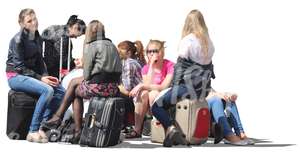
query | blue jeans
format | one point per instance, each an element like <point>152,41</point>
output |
<point>169,99</point>
<point>49,97</point>
<point>216,106</point>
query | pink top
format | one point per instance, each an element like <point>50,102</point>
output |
<point>167,68</point>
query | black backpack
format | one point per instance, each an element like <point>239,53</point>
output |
<point>64,133</point>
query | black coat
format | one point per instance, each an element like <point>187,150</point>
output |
<point>25,55</point>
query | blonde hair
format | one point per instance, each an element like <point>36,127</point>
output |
<point>194,23</point>
<point>94,30</point>
<point>24,13</point>
<point>160,44</point>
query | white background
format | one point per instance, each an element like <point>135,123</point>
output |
<point>256,42</point>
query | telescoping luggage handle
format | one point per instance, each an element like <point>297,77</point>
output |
<point>61,70</point>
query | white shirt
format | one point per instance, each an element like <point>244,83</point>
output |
<point>190,48</point>
<point>78,46</point>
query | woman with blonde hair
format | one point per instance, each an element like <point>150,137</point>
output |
<point>157,75</point>
<point>101,76</point>
<point>192,74</point>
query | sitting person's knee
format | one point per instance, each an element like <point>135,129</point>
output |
<point>144,95</point>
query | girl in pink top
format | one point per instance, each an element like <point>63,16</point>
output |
<point>157,75</point>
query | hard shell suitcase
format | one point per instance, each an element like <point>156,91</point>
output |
<point>20,110</point>
<point>157,131</point>
<point>103,122</point>
<point>193,119</point>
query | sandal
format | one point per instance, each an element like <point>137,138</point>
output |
<point>76,137</point>
<point>53,123</point>
<point>133,134</point>
<point>127,129</point>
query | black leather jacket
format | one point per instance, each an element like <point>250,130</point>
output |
<point>25,55</point>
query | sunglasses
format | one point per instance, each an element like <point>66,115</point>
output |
<point>152,51</point>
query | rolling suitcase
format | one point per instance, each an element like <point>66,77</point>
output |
<point>157,131</point>
<point>20,110</point>
<point>103,122</point>
<point>50,55</point>
<point>193,119</point>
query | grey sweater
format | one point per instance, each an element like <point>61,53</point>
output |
<point>100,57</point>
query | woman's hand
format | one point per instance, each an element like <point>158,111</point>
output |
<point>135,91</point>
<point>230,97</point>
<point>233,97</point>
<point>153,59</point>
<point>78,63</point>
<point>50,80</point>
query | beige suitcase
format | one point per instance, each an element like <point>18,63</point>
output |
<point>193,119</point>
<point>157,131</point>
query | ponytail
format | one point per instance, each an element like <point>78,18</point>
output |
<point>72,20</point>
<point>140,52</point>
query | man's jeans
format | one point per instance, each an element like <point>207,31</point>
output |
<point>48,102</point>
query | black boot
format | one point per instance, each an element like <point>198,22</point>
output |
<point>174,137</point>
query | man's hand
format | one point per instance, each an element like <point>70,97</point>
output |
<point>50,80</point>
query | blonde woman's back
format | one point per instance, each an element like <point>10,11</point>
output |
<point>190,48</point>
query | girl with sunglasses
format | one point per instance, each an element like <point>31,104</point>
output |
<point>156,76</point>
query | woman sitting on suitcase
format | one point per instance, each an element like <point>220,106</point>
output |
<point>192,74</point>
<point>53,37</point>
<point>26,72</point>
<point>101,75</point>
<point>131,54</point>
<point>217,103</point>
<point>157,76</point>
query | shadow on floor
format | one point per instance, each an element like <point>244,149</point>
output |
<point>147,144</point>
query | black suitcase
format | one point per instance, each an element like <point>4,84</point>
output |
<point>20,110</point>
<point>103,122</point>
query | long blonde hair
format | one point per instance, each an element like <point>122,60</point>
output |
<point>194,23</point>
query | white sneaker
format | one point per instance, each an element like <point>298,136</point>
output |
<point>34,137</point>
<point>44,138</point>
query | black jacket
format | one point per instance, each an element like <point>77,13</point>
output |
<point>25,55</point>
<point>52,37</point>
<point>193,75</point>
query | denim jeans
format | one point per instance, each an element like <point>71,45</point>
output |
<point>216,106</point>
<point>163,103</point>
<point>49,97</point>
